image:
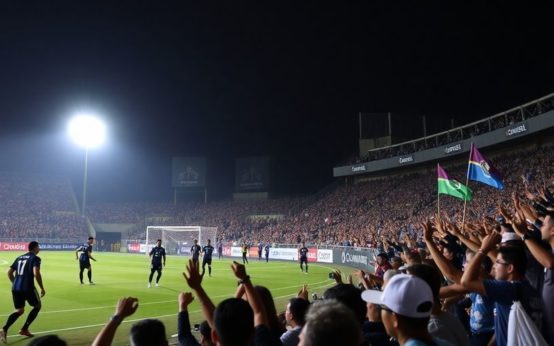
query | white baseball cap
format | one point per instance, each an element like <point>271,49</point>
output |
<point>509,236</point>
<point>406,295</point>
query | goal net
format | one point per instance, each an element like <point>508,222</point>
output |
<point>179,239</point>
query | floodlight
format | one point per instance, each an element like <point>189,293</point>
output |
<point>87,131</point>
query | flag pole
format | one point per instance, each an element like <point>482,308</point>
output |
<point>467,184</point>
<point>438,199</point>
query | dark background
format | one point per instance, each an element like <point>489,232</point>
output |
<point>235,79</point>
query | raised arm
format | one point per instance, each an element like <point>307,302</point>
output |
<point>194,280</point>
<point>125,307</point>
<point>452,291</point>
<point>260,316</point>
<point>447,269</point>
<point>470,278</point>
<point>183,324</point>
<point>543,256</point>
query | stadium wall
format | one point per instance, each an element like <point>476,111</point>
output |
<point>360,258</point>
<point>22,246</point>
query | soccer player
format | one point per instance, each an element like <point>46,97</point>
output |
<point>23,273</point>
<point>156,255</point>
<point>207,257</point>
<point>244,252</point>
<point>220,249</point>
<point>260,250</point>
<point>195,251</point>
<point>303,257</point>
<point>266,248</point>
<point>84,259</point>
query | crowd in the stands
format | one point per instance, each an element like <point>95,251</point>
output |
<point>354,215</point>
<point>38,207</point>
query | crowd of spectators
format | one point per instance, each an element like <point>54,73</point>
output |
<point>489,282</point>
<point>37,207</point>
<point>356,215</point>
<point>442,277</point>
<point>349,215</point>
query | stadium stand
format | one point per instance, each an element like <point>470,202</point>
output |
<point>38,207</point>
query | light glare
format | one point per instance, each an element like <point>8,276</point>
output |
<point>87,131</point>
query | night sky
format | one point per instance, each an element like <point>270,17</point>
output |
<point>227,80</point>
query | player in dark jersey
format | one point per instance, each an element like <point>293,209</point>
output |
<point>195,251</point>
<point>303,251</point>
<point>266,248</point>
<point>207,252</point>
<point>260,250</point>
<point>157,254</point>
<point>23,273</point>
<point>219,249</point>
<point>84,259</point>
<point>244,252</point>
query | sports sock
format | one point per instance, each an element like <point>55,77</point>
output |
<point>11,320</point>
<point>32,315</point>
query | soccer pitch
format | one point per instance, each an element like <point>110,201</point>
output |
<point>77,312</point>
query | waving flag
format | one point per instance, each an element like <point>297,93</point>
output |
<point>452,187</point>
<point>479,169</point>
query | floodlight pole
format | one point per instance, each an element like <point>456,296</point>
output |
<point>85,184</point>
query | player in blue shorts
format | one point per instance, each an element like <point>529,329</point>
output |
<point>23,273</point>
<point>84,259</point>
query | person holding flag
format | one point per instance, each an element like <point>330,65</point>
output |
<point>480,169</point>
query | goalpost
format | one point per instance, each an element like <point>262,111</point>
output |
<point>179,239</point>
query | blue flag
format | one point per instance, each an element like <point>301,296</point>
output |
<point>480,169</point>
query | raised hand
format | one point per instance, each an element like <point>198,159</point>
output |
<point>194,278</point>
<point>427,231</point>
<point>519,224</point>
<point>490,241</point>
<point>349,279</point>
<point>303,293</point>
<point>126,307</point>
<point>185,298</point>
<point>528,212</point>
<point>529,194</point>
<point>239,270</point>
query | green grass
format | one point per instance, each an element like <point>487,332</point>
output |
<point>76,313</point>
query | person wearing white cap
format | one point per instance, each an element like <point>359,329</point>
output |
<point>406,306</point>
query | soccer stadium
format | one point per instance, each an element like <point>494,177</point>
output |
<point>442,236</point>
<point>346,227</point>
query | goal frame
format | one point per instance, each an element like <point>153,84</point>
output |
<point>149,242</point>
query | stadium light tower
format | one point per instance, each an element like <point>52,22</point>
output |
<point>88,132</point>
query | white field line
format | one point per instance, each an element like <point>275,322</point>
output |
<point>127,321</point>
<point>159,302</point>
<point>329,283</point>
